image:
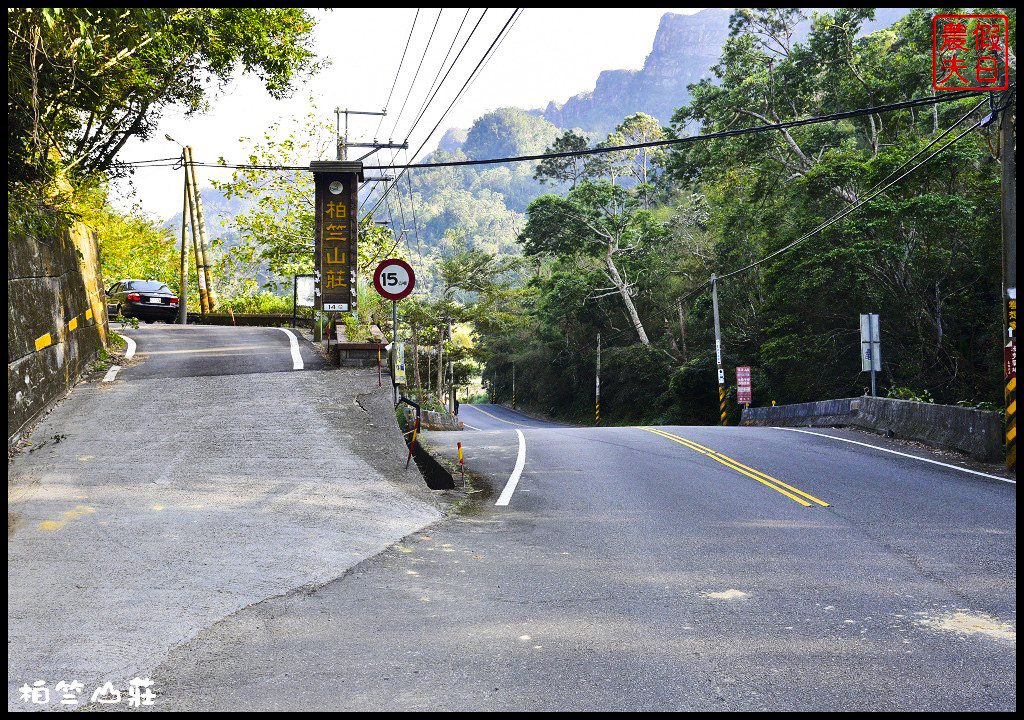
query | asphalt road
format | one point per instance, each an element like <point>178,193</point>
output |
<point>211,472</point>
<point>210,350</point>
<point>676,568</point>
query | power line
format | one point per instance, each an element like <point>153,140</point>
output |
<point>927,100</point>
<point>399,71</point>
<point>459,95</point>
<point>507,32</point>
<point>907,104</point>
<point>874,192</point>
<point>450,68</point>
<point>412,84</point>
<point>427,102</point>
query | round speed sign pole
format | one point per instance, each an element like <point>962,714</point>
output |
<point>394,279</point>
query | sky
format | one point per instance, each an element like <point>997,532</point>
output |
<point>548,54</point>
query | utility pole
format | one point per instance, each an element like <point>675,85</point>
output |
<point>451,373</point>
<point>597,390</point>
<point>342,140</point>
<point>718,348</point>
<point>183,283</point>
<point>682,329</point>
<point>513,385</point>
<point>394,348</point>
<point>1008,188</point>
<point>211,296</point>
<point>204,300</point>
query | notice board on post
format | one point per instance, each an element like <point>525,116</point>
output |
<point>336,230</point>
<point>743,393</point>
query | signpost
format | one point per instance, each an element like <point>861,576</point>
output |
<point>335,234</point>
<point>870,347</point>
<point>394,279</point>
<point>303,293</point>
<point>743,394</point>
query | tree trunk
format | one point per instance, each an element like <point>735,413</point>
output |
<point>620,285</point>
<point>440,366</point>
<point>416,364</point>
<point>682,330</point>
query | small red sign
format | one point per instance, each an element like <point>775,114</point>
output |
<point>1010,358</point>
<point>970,52</point>
<point>743,393</point>
<point>394,279</point>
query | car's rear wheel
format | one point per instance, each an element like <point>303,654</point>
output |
<point>169,321</point>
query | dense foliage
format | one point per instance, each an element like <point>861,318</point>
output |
<point>924,255</point>
<point>82,81</point>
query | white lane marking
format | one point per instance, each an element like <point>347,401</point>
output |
<point>471,427</point>
<point>296,357</point>
<point>131,346</point>
<point>111,373</point>
<point>510,486</point>
<point>894,452</point>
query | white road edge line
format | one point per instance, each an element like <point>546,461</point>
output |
<point>111,373</point>
<point>131,346</point>
<point>894,452</point>
<point>471,427</point>
<point>513,480</point>
<point>296,357</point>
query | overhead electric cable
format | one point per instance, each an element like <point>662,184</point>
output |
<point>423,106</point>
<point>594,151</point>
<point>394,153</point>
<point>412,84</point>
<point>475,70</point>
<point>399,71</point>
<point>498,47</point>
<point>876,190</point>
<point>469,37</point>
<point>423,110</point>
<point>928,100</point>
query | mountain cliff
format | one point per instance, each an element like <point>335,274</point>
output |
<point>684,50</point>
<point>685,47</point>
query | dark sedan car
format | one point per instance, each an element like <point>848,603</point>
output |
<point>147,300</point>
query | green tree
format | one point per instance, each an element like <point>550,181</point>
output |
<point>569,169</point>
<point>81,81</point>
<point>602,221</point>
<point>635,130</point>
<point>919,255</point>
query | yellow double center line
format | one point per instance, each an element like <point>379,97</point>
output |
<point>508,422</point>
<point>777,485</point>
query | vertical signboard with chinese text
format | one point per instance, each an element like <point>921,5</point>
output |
<point>743,394</point>
<point>1010,351</point>
<point>336,234</point>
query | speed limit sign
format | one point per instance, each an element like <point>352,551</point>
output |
<point>394,279</point>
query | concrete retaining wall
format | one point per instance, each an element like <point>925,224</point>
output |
<point>975,432</point>
<point>56,319</point>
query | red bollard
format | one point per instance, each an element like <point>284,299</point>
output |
<point>461,466</point>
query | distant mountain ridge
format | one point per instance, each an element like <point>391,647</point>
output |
<point>684,50</point>
<point>685,47</point>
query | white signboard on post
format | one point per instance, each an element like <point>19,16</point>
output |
<point>400,363</point>
<point>870,343</point>
<point>304,290</point>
